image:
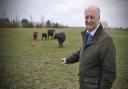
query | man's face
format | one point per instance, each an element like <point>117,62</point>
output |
<point>91,19</point>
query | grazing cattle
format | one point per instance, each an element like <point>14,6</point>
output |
<point>51,33</point>
<point>35,35</point>
<point>44,35</point>
<point>61,37</point>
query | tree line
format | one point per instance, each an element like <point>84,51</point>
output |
<point>25,23</point>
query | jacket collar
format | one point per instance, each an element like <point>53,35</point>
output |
<point>93,32</point>
<point>95,36</point>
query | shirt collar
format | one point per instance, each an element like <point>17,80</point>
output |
<point>93,32</point>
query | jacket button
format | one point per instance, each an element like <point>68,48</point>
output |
<point>85,80</point>
<point>96,81</point>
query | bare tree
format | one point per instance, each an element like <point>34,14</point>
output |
<point>104,24</point>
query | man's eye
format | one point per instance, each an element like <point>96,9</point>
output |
<point>87,17</point>
<point>91,17</point>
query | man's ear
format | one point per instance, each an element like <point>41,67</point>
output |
<point>99,17</point>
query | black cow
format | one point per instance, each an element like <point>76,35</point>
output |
<point>44,35</point>
<point>51,33</point>
<point>61,37</point>
<point>35,35</point>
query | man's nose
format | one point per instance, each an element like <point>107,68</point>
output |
<point>88,19</point>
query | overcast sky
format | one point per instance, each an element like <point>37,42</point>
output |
<point>67,12</point>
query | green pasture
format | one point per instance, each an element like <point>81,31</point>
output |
<point>29,64</point>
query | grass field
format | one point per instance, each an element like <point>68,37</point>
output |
<point>29,64</point>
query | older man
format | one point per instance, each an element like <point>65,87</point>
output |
<point>97,55</point>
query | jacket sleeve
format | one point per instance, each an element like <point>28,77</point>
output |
<point>108,64</point>
<point>73,58</point>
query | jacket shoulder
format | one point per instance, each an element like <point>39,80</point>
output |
<point>105,36</point>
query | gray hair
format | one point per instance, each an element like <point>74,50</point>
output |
<point>94,7</point>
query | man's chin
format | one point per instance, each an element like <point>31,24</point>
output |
<point>89,28</point>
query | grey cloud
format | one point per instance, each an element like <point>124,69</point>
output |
<point>66,11</point>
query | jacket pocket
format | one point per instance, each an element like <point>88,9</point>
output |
<point>90,84</point>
